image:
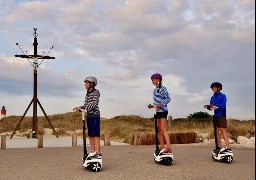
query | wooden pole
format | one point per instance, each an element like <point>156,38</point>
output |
<point>74,140</point>
<point>40,141</point>
<point>47,118</point>
<point>21,119</point>
<point>169,121</point>
<point>106,140</point>
<point>135,139</point>
<point>3,142</point>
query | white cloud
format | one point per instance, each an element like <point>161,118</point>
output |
<point>192,43</point>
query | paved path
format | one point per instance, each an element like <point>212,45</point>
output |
<point>124,162</point>
<point>48,141</point>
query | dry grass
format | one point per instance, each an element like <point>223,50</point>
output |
<point>121,128</point>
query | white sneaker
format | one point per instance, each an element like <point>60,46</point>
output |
<point>91,154</point>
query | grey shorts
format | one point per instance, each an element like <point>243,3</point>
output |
<point>220,122</point>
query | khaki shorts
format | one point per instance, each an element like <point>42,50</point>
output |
<point>220,122</point>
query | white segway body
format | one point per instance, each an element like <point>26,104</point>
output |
<point>93,164</point>
<point>226,158</point>
<point>165,159</point>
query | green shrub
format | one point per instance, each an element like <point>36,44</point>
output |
<point>199,115</point>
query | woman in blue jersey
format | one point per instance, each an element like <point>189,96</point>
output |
<point>161,99</point>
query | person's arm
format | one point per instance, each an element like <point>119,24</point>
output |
<point>222,103</point>
<point>165,94</point>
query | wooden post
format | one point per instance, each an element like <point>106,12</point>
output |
<point>106,140</point>
<point>135,139</point>
<point>169,121</point>
<point>3,142</point>
<point>40,141</point>
<point>74,140</point>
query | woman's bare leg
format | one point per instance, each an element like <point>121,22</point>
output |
<point>159,133</point>
<point>164,131</point>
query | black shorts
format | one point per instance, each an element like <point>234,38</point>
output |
<point>161,115</point>
<point>220,122</point>
<point>93,125</point>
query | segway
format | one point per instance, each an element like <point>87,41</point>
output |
<point>91,163</point>
<point>216,154</point>
<point>161,158</point>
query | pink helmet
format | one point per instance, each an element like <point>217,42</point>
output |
<point>157,76</point>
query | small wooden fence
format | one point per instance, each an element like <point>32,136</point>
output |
<point>176,138</point>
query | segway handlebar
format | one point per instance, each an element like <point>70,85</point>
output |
<point>211,108</point>
<point>83,113</point>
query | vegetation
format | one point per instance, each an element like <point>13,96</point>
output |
<point>200,115</point>
<point>121,128</point>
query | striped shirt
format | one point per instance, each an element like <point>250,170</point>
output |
<point>161,95</point>
<point>91,103</point>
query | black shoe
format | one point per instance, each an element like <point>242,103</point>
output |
<point>216,150</point>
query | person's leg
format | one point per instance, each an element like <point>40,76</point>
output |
<point>159,133</point>
<point>225,136</point>
<point>92,144</point>
<point>164,131</point>
<point>218,137</point>
<point>97,144</point>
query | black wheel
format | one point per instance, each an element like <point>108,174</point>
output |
<point>167,161</point>
<point>228,159</point>
<point>95,167</point>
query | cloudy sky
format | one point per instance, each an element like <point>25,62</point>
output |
<point>122,42</point>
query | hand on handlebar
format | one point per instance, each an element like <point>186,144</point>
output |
<point>77,109</point>
<point>210,106</point>
<point>154,106</point>
<point>150,106</point>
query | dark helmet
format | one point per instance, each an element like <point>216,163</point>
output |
<point>157,76</point>
<point>216,84</point>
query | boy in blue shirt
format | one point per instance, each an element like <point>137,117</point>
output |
<point>219,100</point>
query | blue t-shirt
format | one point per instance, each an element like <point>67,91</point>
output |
<point>219,99</point>
<point>161,95</point>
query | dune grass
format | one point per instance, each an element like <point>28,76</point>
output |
<point>121,128</point>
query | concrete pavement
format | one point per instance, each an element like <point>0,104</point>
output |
<point>49,141</point>
<point>124,162</point>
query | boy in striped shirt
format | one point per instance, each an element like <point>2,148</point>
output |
<point>93,115</point>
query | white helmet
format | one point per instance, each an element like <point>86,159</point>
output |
<point>91,79</point>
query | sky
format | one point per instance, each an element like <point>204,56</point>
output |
<point>122,43</point>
